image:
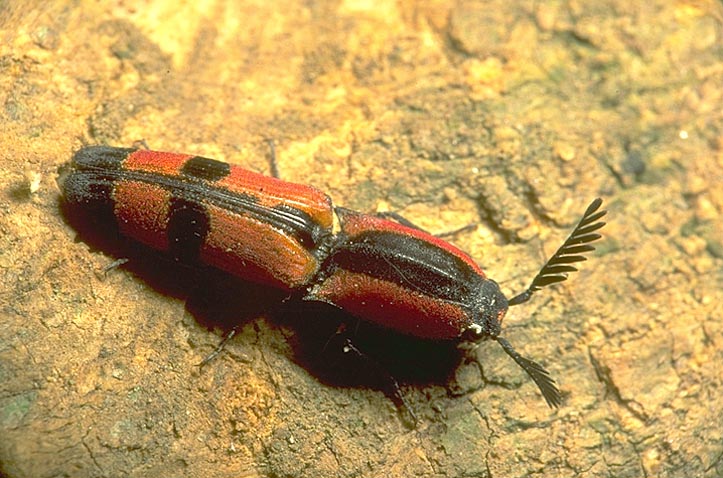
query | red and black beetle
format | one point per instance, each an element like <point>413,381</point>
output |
<point>262,229</point>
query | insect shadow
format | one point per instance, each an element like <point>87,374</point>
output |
<point>320,333</point>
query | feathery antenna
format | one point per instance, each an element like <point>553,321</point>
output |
<point>537,373</point>
<point>559,265</point>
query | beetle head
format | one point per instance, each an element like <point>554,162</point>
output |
<point>493,304</point>
<point>491,309</point>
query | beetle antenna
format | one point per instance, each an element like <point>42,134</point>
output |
<point>571,251</point>
<point>537,373</point>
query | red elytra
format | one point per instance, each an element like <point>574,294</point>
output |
<point>199,210</point>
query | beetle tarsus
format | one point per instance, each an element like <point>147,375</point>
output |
<point>406,222</point>
<point>219,348</point>
<point>273,164</point>
<point>396,391</point>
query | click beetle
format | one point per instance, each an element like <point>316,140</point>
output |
<point>261,229</point>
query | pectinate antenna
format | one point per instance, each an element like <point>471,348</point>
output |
<point>572,251</point>
<point>537,373</point>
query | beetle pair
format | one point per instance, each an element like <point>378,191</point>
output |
<point>264,230</point>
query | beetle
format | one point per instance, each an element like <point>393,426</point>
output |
<point>388,272</point>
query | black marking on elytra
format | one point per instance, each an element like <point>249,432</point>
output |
<point>293,222</point>
<point>188,225</point>
<point>205,168</point>
<point>412,263</point>
<point>100,157</point>
<point>87,189</point>
<point>88,192</point>
<point>305,229</point>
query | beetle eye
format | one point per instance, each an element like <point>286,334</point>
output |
<point>501,315</point>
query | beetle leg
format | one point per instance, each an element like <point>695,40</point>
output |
<point>341,330</point>
<point>273,165</point>
<point>395,216</point>
<point>141,144</point>
<point>219,348</point>
<point>396,391</point>
<point>406,222</point>
<point>103,273</point>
